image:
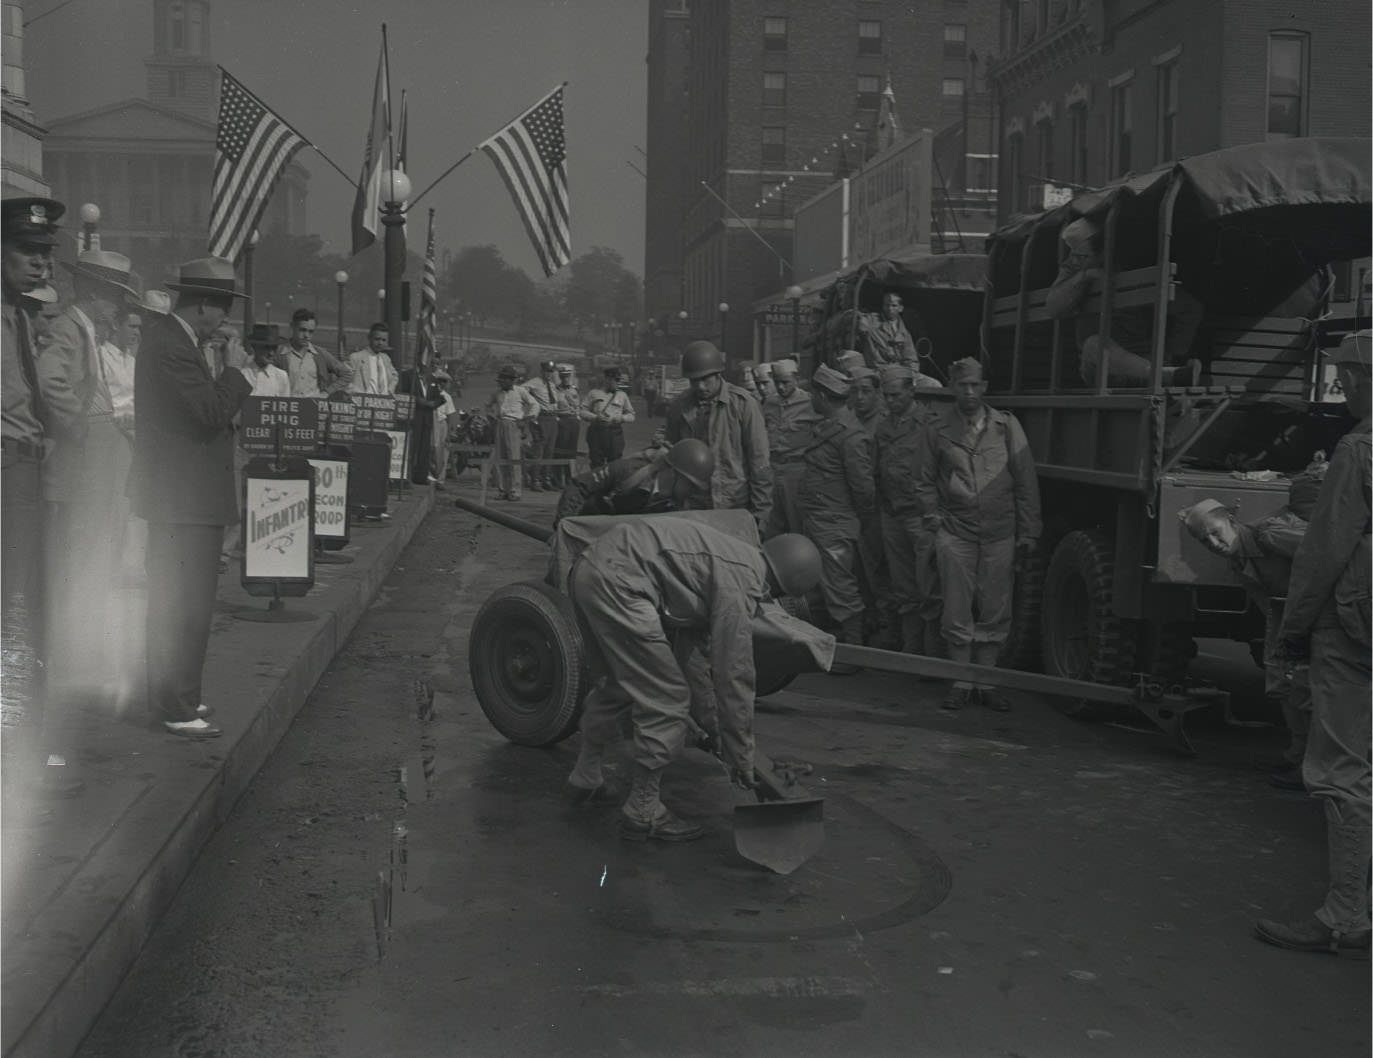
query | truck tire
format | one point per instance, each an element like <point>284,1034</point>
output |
<point>1023,647</point>
<point>525,657</point>
<point>1082,637</point>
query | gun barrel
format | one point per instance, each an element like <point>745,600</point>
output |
<point>529,529</point>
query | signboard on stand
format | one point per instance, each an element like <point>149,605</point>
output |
<point>277,542</point>
<point>337,420</point>
<point>291,422</point>
<point>397,471</point>
<point>331,498</point>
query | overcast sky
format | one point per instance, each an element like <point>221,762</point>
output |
<point>470,66</point>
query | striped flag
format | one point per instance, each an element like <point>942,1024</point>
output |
<point>531,155</point>
<point>252,147</point>
<point>367,203</point>
<point>429,303</point>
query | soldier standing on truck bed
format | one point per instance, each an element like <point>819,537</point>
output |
<point>979,494</point>
<point>907,543</point>
<point>1329,600</point>
<point>884,338</point>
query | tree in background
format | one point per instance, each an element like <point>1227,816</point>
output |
<point>600,289</point>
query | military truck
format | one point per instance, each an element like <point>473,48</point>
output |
<point>1250,234</point>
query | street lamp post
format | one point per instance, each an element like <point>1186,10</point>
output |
<point>724,320</point>
<point>381,304</point>
<point>248,249</point>
<point>267,307</point>
<point>396,191</point>
<point>682,315</point>
<point>794,293</point>
<point>90,217</point>
<point>341,278</point>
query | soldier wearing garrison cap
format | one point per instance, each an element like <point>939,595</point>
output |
<point>978,491</point>
<point>183,483</point>
<point>837,499</point>
<point>29,230</point>
<point>788,417</point>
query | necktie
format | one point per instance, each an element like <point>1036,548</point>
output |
<point>376,374</point>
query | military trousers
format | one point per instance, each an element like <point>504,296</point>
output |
<point>1336,769</point>
<point>909,548</point>
<point>786,515</point>
<point>977,578</point>
<point>838,545</point>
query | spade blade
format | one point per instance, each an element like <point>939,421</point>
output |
<point>780,835</point>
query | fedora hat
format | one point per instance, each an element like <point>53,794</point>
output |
<point>158,301</point>
<point>264,334</point>
<point>208,275</point>
<point>104,266</point>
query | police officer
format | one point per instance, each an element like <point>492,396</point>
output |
<point>907,544</point>
<point>28,229</point>
<point>545,426</point>
<point>730,421</point>
<point>1329,601</point>
<point>638,581</point>
<point>605,409</point>
<point>650,482</point>
<point>837,499</point>
<point>979,494</point>
<point>569,423</point>
<point>790,418</point>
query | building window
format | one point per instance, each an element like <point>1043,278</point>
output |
<point>953,86</point>
<point>869,38</point>
<point>1286,85</point>
<point>774,89</point>
<point>195,29</point>
<point>1122,127</point>
<point>774,145</point>
<point>176,27</point>
<point>1015,163</point>
<point>1044,133</point>
<point>1077,144</point>
<point>955,40</point>
<point>772,197</point>
<point>1010,26</point>
<point>774,34</point>
<point>176,83</point>
<point>1168,112</point>
<point>869,92</point>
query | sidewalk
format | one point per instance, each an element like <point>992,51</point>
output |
<point>86,879</point>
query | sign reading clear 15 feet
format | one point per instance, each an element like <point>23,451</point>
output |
<point>331,498</point>
<point>297,417</point>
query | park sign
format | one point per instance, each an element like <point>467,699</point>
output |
<point>289,422</point>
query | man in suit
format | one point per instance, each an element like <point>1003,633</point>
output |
<point>84,477</point>
<point>314,372</point>
<point>428,399</point>
<point>373,371</point>
<point>183,484</point>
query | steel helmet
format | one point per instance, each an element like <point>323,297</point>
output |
<point>795,562</point>
<point>694,460</point>
<point>700,359</point>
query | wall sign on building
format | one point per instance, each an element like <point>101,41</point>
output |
<point>889,202</point>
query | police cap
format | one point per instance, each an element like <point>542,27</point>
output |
<point>31,221</point>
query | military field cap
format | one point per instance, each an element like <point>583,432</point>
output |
<point>1079,234</point>
<point>857,373</point>
<point>784,368</point>
<point>764,369</point>
<point>31,220</point>
<point>894,373</point>
<point>104,266</point>
<point>264,335</point>
<point>967,366</point>
<point>831,381</point>
<point>208,275</point>
<point>1356,348</point>
<point>1195,516</point>
<point>44,295</point>
<point>158,301</point>
<point>849,358</point>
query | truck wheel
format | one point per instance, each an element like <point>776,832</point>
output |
<point>525,657</point>
<point>1082,638</point>
<point>1022,647</point>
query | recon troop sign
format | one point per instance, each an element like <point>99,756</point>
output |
<point>293,420</point>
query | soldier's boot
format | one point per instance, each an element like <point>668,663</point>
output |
<point>586,773</point>
<point>1346,901</point>
<point>850,631</point>
<point>644,817</point>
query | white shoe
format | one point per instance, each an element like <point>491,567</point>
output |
<point>191,728</point>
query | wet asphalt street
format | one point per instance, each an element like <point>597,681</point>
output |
<point>400,881</point>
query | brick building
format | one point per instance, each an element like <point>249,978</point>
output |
<point>147,163</point>
<point>1091,89</point>
<point>770,87</point>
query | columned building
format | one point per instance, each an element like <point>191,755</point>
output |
<point>148,163</point>
<point>21,152</point>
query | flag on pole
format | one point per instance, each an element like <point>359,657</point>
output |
<point>429,302</point>
<point>367,204</point>
<point>531,155</point>
<point>252,147</point>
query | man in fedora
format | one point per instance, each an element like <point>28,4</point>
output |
<point>28,229</point>
<point>183,484</point>
<point>264,374</point>
<point>84,476</point>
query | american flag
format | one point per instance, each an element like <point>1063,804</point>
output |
<point>252,147</point>
<point>429,298</point>
<point>531,156</point>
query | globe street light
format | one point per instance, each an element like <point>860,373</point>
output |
<point>724,318</point>
<point>794,293</point>
<point>381,304</point>
<point>267,307</point>
<point>90,217</point>
<point>682,315</point>
<point>341,278</point>
<point>395,190</point>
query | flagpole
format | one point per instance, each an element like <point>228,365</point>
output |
<point>386,65</point>
<point>415,201</point>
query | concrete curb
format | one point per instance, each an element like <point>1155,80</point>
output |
<point>158,813</point>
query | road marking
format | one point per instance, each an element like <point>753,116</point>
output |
<point>775,987</point>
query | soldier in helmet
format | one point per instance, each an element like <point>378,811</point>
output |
<point>641,582</point>
<point>730,421</point>
<point>651,482</point>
